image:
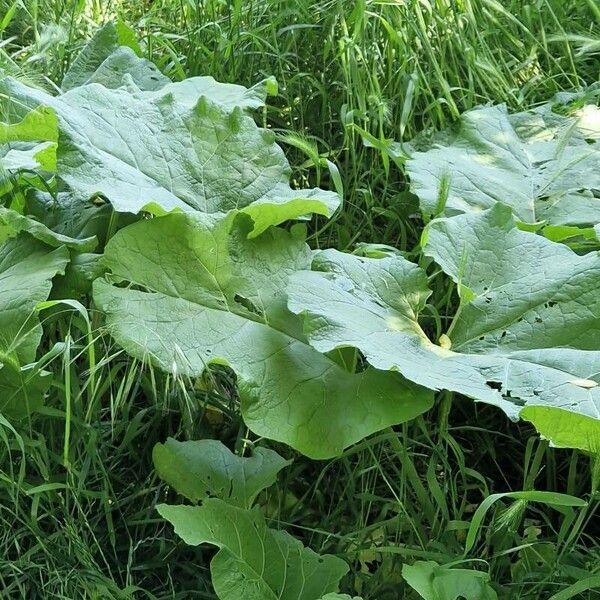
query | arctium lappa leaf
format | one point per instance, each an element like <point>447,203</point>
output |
<point>202,293</point>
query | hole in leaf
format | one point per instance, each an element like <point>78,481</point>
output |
<point>248,305</point>
<point>495,385</point>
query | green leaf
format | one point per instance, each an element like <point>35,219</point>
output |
<point>172,149</point>
<point>436,582</point>
<point>103,44</point>
<point>525,336</point>
<point>226,95</point>
<point>80,273</point>
<point>123,67</point>
<point>203,294</point>
<point>204,468</point>
<point>37,125</point>
<point>26,270</point>
<point>530,292</point>
<point>72,217</point>
<point>13,223</point>
<point>254,562</point>
<point>22,388</point>
<point>544,166</point>
<point>31,143</point>
<point>28,157</point>
<point>564,428</point>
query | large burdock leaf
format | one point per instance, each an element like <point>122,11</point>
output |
<point>527,333</point>
<point>111,59</point>
<point>124,66</point>
<point>108,40</point>
<point>199,293</point>
<point>172,149</point>
<point>254,562</point>
<point>207,468</point>
<point>544,166</point>
<point>26,270</point>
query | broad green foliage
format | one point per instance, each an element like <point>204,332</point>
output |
<point>69,217</point>
<point>13,222</point>
<point>202,293</point>
<point>546,167</point>
<point>435,582</point>
<point>187,146</point>
<point>254,562</point>
<point>38,125</point>
<point>26,271</point>
<point>30,144</point>
<point>111,59</point>
<point>122,133</point>
<point>216,284</point>
<point>110,42</point>
<point>526,333</point>
<point>207,468</point>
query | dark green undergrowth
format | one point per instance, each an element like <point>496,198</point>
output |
<point>78,489</point>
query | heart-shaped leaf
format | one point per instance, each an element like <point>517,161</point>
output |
<point>199,293</point>
<point>527,333</point>
<point>207,468</point>
<point>254,562</point>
